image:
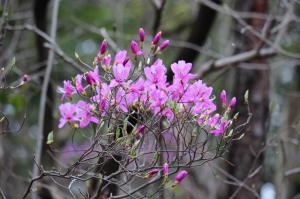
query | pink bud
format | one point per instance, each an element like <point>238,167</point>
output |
<point>134,47</point>
<point>89,78</point>
<point>232,103</point>
<point>78,84</point>
<point>166,169</point>
<point>164,44</point>
<point>153,172</point>
<point>142,34</point>
<point>180,176</point>
<point>223,98</point>
<point>156,38</point>
<point>106,60</point>
<point>141,129</point>
<point>103,47</point>
<point>25,78</point>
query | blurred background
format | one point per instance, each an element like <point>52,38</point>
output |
<point>233,44</point>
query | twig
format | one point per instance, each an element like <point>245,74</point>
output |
<point>228,61</point>
<point>53,45</point>
<point>43,100</point>
<point>2,194</point>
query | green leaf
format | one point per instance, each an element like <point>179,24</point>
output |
<point>50,137</point>
<point>76,55</point>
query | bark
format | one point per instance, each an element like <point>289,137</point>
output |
<point>244,154</point>
<point>40,17</point>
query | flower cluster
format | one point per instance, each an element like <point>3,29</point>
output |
<point>122,83</point>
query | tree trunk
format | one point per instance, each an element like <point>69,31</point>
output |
<point>244,154</point>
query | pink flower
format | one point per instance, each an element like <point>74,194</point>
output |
<point>67,112</point>
<point>180,176</point>
<point>168,114</point>
<point>142,34</point>
<point>68,90</point>
<point>156,38</point>
<point>158,100</point>
<point>106,63</point>
<point>156,74</point>
<point>121,100</point>
<point>93,77</point>
<point>164,45</point>
<point>121,73</point>
<point>84,114</point>
<point>223,98</point>
<point>181,71</point>
<point>121,58</point>
<point>78,79</point>
<point>166,169</point>
<point>212,121</point>
<point>102,97</point>
<point>219,128</point>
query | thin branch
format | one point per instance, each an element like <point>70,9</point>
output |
<point>53,45</point>
<point>218,64</point>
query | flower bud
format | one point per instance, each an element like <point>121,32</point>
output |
<point>152,173</point>
<point>223,98</point>
<point>140,129</point>
<point>142,34</point>
<point>164,45</point>
<point>180,176</point>
<point>134,47</point>
<point>89,78</point>
<point>156,38</point>
<point>232,103</point>
<point>103,47</point>
<point>25,78</point>
<point>166,169</point>
<point>106,60</point>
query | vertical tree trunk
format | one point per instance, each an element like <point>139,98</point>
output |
<point>40,17</point>
<point>244,153</point>
<point>287,183</point>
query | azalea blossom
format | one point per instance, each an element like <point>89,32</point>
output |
<point>120,90</point>
<point>67,91</point>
